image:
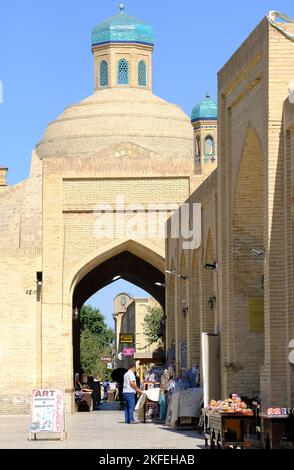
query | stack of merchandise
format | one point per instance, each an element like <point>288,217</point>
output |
<point>230,405</point>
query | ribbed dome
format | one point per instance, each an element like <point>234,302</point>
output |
<point>117,115</point>
<point>206,109</point>
<point>122,28</point>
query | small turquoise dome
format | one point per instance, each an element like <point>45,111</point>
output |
<point>206,110</point>
<point>122,28</point>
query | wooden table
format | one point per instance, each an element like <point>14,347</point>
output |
<point>277,432</point>
<point>224,430</point>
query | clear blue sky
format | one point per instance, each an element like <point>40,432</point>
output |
<point>46,61</point>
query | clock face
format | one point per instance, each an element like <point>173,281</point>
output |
<point>123,301</point>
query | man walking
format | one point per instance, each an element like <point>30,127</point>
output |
<point>129,393</point>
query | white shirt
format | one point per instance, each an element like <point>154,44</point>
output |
<point>128,378</point>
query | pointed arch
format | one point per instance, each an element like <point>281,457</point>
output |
<point>103,73</point>
<point>142,73</point>
<point>194,310</point>
<point>123,72</point>
<point>208,313</point>
<point>170,314</point>
<point>248,269</point>
<point>144,249</point>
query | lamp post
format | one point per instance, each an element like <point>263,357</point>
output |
<point>75,313</point>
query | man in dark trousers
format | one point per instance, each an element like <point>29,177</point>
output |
<point>130,389</point>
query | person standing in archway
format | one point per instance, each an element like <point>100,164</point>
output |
<point>130,389</point>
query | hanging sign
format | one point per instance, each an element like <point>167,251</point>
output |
<point>128,351</point>
<point>106,359</point>
<point>47,411</point>
<point>126,338</point>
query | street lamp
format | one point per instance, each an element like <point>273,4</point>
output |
<point>185,311</point>
<point>257,252</point>
<point>212,266</point>
<point>180,276</point>
<point>212,301</point>
<point>75,313</point>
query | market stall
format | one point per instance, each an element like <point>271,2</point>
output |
<point>184,399</point>
<point>277,426</point>
<point>83,399</point>
<point>147,407</point>
<point>184,407</point>
<point>228,423</point>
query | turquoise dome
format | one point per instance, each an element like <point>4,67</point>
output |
<point>206,110</point>
<point>122,28</point>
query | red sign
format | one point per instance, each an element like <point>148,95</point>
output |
<point>128,351</point>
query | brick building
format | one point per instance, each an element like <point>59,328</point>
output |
<point>239,283</point>
<point>123,148</point>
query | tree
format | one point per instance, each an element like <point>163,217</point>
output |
<point>153,325</point>
<point>96,340</point>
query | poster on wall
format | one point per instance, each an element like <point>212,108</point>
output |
<point>47,411</point>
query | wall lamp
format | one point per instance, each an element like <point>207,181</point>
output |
<point>116,278</point>
<point>213,266</point>
<point>160,284</point>
<point>39,276</point>
<point>212,301</point>
<point>257,252</point>
<point>75,314</point>
<point>180,276</point>
<point>185,311</point>
<point>39,281</point>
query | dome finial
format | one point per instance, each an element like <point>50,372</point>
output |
<point>122,8</point>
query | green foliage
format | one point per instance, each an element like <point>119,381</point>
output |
<point>153,325</point>
<point>96,340</point>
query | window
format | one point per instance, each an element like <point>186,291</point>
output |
<point>209,148</point>
<point>123,72</point>
<point>198,149</point>
<point>142,73</point>
<point>103,73</point>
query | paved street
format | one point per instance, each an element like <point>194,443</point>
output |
<point>103,429</point>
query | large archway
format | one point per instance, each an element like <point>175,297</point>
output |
<point>248,269</point>
<point>129,267</point>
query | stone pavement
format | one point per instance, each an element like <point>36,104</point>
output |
<point>102,429</point>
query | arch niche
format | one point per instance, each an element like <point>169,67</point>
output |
<point>248,268</point>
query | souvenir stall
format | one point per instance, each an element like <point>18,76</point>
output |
<point>228,423</point>
<point>147,408</point>
<point>184,400</point>
<point>83,394</point>
<point>277,428</point>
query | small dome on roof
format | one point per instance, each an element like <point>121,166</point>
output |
<point>122,28</point>
<point>206,109</point>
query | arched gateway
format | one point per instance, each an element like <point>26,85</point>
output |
<point>121,150</point>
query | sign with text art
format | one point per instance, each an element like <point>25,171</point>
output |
<point>47,410</point>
